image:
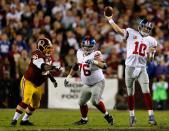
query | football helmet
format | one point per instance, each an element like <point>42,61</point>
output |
<point>145,27</point>
<point>88,44</point>
<point>45,46</point>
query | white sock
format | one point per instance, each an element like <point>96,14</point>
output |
<point>25,117</point>
<point>16,116</point>
<point>150,112</point>
<point>131,112</point>
<point>84,118</point>
<point>106,113</point>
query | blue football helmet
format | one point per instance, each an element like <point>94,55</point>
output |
<point>88,44</point>
<point>145,27</point>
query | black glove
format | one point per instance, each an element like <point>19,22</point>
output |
<point>53,80</point>
<point>66,82</point>
<point>55,84</point>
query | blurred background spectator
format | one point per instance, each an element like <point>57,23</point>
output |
<point>160,95</point>
<point>22,22</point>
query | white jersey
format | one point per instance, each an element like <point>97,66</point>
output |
<point>90,74</point>
<point>137,48</point>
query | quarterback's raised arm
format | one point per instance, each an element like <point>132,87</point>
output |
<point>108,13</point>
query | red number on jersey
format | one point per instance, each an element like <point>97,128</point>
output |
<point>139,48</point>
<point>85,68</point>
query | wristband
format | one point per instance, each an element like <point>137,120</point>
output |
<point>111,21</point>
<point>95,62</point>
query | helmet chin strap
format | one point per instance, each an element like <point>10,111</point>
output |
<point>87,52</point>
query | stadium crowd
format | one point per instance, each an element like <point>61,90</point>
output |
<point>22,22</point>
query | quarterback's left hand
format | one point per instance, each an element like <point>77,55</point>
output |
<point>90,61</point>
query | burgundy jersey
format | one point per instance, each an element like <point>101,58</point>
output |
<point>34,72</point>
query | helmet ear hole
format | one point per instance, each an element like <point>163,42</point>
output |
<point>41,48</point>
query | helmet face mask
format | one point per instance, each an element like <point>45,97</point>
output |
<point>48,50</point>
<point>145,27</point>
<point>45,46</point>
<point>88,49</point>
<point>88,45</point>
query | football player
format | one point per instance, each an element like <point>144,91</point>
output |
<point>140,48</point>
<point>31,83</point>
<point>90,63</point>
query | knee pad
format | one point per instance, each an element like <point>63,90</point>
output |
<point>95,101</point>
<point>145,88</point>
<point>35,103</point>
<point>81,102</point>
<point>130,91</point>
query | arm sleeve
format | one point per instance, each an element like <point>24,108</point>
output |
<point>153,45</point>
<point>51,78</point>
<point>38,62</point>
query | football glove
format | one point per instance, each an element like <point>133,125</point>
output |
<point>53,80</point>
<point>55,84</point>
<point>67,81</point>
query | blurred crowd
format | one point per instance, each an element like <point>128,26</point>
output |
<point>22,22</point>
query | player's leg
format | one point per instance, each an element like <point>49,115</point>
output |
<point>26,97</point>
<point>130,83</point>
<point>144,83</point>
<point>84,98</point>
<point>35,103</point>
<point>97,91</point>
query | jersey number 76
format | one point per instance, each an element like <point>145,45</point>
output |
<point>85,68</point>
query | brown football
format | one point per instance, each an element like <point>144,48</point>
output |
<point>108,11</point>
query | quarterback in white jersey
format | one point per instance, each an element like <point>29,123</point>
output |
<point>140,48</point>
<point>90,63</point>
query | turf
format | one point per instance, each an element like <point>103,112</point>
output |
<point>52,119</point>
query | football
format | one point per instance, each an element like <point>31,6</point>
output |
<point>108,11</point>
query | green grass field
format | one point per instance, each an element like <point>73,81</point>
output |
<point>57,119</point>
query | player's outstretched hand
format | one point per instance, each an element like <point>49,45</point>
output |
<point>66,82</point>
<point>90,61</point>
<point>55,84</point>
